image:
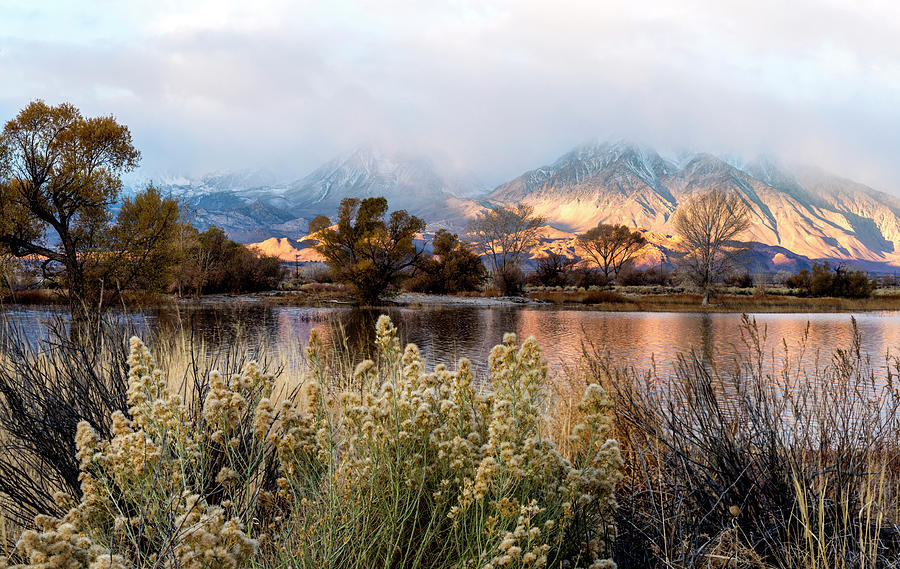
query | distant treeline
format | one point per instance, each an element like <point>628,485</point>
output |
<point>373,252</point>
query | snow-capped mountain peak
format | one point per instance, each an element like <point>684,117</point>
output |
<point>804,210</point>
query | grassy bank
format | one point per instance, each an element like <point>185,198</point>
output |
<point>612,300</point>
<point>618,299</point>
<point>607,300</point>
<point>52,297</point>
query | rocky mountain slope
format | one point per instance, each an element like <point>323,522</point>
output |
<point>797,212</point>
<point>802,210</point>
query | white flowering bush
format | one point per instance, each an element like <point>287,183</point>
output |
<point>410,468</point>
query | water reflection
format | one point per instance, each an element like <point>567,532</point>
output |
<point>445,334</point>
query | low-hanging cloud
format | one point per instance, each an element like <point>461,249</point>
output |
<point>489,87</point>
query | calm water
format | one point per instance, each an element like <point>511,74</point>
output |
<point>636,339</point>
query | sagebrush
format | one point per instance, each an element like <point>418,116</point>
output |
<point>407,468</point>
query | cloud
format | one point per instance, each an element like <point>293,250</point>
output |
<point>494,87</point>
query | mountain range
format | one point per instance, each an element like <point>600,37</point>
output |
<point>254,206</point>
<point>798,213</point>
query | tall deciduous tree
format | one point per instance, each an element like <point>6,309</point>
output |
<point>365,251</point>
<point>611,247</point>
<point>505,234</point>
<point>59,174</point>
<point>707,224</point>
<point>142,247</point>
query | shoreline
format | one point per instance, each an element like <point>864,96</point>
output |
<point>609,301</point>
<point>594,301</point>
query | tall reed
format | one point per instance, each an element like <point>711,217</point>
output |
<point>758,464</point>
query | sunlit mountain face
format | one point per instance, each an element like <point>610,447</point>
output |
<point>798,212</point>
<point>801,209</point>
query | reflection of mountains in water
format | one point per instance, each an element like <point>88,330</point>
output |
<point>797,213</point>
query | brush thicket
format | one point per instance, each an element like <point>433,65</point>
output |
<point>757,463</point>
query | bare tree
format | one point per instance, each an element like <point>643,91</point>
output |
<point>504,234</point>
<point>611,247</point>
<point>707,223</point>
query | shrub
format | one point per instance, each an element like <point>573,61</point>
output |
<point>216,264</point>
<point>585,277</point>
<point>407,469</point>
<point>455,267</point>
<point>825,281</point>
<point>508,280</point>
<point>552,270</point>
<point>738,280</point>
<point>650,277</point>
<point>317,272</point>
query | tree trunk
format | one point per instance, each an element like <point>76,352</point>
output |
<point>705,297</point>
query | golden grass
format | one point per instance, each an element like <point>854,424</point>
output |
<point>687,302</point>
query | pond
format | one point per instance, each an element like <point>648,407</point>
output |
<point>446,333</point>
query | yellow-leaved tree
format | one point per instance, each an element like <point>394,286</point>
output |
<point>60,173</point>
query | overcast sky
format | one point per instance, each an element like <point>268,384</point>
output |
<point>490,87</point>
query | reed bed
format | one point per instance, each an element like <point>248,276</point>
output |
<point>740,466</point>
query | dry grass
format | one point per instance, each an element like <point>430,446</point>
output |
<point>686,302</point>
<point>36,296</point>
<point>603,297</point>
<point>45,296</point>
<point>746,467</point>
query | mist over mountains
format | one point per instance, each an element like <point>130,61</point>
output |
<point>798,212</point>
<point>254,205</point>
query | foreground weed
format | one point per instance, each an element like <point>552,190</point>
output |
<point>759,464</point>
<point>410,468</point>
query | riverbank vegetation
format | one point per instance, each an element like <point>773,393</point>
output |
<point>381,464</point>
<point>825,280</point>
<point>309,459</point>
<point>758,464</point>
<point>60,187</point>
<point>210,263</point>
<point>198,263</point>
<point>61,241</point>
<point>734,300</point>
